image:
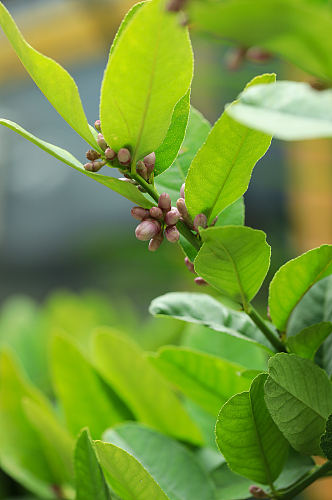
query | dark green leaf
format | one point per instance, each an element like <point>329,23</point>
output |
<point>326,439</point>
<point>307,342</point>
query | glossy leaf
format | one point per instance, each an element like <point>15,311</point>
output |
<point>126,189</point>
<point>224,164</point>
<point>171,465</point>
<point>294,279</point>
<point>53,80</point>
<point>298,395</point>
<point>149,71</point>
<point>90,481</point>
<point>235,260</point>
<point>326,439</point>
<point>248,438</point>
<point>125,367</point>
<point>307,342</point>
<point>233,215</point>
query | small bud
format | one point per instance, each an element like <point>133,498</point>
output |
<point>140,213</point>
<point>235,58</point>
<point>172,234</point>
<point>190,265</point>
<point>182,190</point>
<point>214,222</point>
<point>156,213</point>
<point>149,162</point>
<point>98,125</point>
<point>96,165</point>
<point>110,154</point>
<point>142,170</point>
<point>156,242</point>
<point>88,167</point>
<point>164,202</point>
<point>200,221</point>
<point>258,55</point>
<point>172,217</point>
<point>200,281</point>
<point>257,492</point>
<point>101,142</point>
<point>147,229</point>
<point>124,156</point>
<point>175,5</point>
<point>92,155</point>
<point>182,208</point>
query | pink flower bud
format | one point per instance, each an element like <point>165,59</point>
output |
<point>172,234</point>
<point>140,213</point>
<point>150,161</point>
<point>92,155</point>
<point>156,242</point>
<point>147,229</point>
<point>88,167</point>
<point>258,55</point>
<point>110,154</point>
<point>96,165</point>
<point>182,190</point>
<point>257,492</point>
<point>101,142</point>
<point>164,202</point>
<point>200,281</point>
<point>142,170</point>
<point>98,125</point>
<point>124,156</point>
<point>190,265</point>
<point>182,208</point>
<point>156,213</point>
<point>175,5</point>
<point>172,217</point>
<point>200,221</point>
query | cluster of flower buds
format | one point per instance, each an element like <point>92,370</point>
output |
<point>258,492</point>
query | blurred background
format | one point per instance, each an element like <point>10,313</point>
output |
<point>59,231</point>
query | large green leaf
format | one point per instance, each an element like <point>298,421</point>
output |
<point>126,475</point>
<point>54,81</point>
<point>307,342</point>
<point>326,439</point>
<point>298,395</point>
<point>224,164</point>
<point>84,397</point>
<point>235,260</point>
<point>287,110</point>
<point>149,71</point>
<point>171,465</point>
<point>233,215</point>
<point>90,481</point>
<point>294,279</point>
<point>248,438</point>
<point>147,393</point>
<point>126,189</point>
<point>206,379</point>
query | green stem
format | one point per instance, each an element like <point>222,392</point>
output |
<point>265,329</point>
<point>301,485</point>
<point>148,187</point>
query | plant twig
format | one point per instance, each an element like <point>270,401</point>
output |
<point>266,329</point>
<point>301,485</point>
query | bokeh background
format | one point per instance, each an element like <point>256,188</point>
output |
<point>60,231</point>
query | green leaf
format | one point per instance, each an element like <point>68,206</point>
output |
<point>125,367</point>
<point>90,481</point>
<point>126,189</point>
<point>127,477</point>
<point>171,465</point>
<point>224,164</point>
<point>307,342</point>
<point>206,379</point>
<point>235,260</point>
<point>84,397</point>
<point>298,395</point>
<point>53,80</point>
<point>294,279</point>
<point>168,150</point>
<point>233,215</point>
<point>247,437</point>
<point>287,110</point>
<point>326,439</point>
<point>149,71</point>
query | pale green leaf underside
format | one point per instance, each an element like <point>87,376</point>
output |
<point>53,80</point>
<point>248,438</point>
<point>126,189</point>
<point>307,342</point>
<point>294,279</point>
<point>298,395</point>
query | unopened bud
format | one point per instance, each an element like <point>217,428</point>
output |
<point>235,58</point>
<point>147,229</point>
<point>92,155</point>
<point>110,154</point>
<point>214,222</point>
<point>257,492</point>
<point>258,55</point>
<point>88,167</point>
<point>200,221</point>
<point>189,264</point>
<point>172,217</point>
<point>142,170</point>
<point>200,281</point>
<point>124,156</point>
<point>149,162</point>
<point>98,125</point>
<point>175,5</point>
<point>140,213</point>
<point>182,208</point>
<point>172,234</point>
<point>101,142</point>
<point>94,166</point>
<point>156,242</point>
<point>182,190</point>
<point>164,201</point>
<point>156,213</point>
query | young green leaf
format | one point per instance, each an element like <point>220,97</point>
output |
<point>149,71</point>
<point>294,279</point>
<point>248,438</point>
<point>125,367</point>
<point>90,481</point>
<point>171,465</point>
<point>307,342</point>
<point>326,439</point>
<point>126,475</point>
<point>224,164</point>
<point>53,80</point>
<point>235,260</point>
<point>206,379</point>
<point>233,215</point>
<point>298,395</point>
<point>126,189</point>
